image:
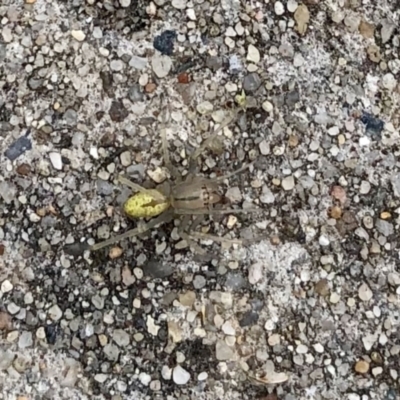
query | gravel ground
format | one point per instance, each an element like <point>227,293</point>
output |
<point>308,308</point>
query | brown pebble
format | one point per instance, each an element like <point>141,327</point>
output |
<point>362,367</point>
<point>150,87</point>
<point>41,212</point>
<point>23,169</point>
<point>108,139</point>
<point>335,212</point>
<point>293,141</point>
<point>322,287</point>
<point>5,321</point>
<point>366,29</point>
<point>2,248</point>
<point>115,252</point>
<point>275,240</point>
<point>385,215</point>
<point>271,396</point>
<point>183,78</point>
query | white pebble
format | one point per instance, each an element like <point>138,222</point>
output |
<point>56,160</point>
<point>288,183</point>
<point>228,329</point>
<point>301,349</point>
<point>78,35</point>
<point>7,34</point>
<point>255,273</point>
<point>333,131</point>
<point>33,217</point>
<point>389,81</point>
<point>267,106</point>
<point>364,141</point>
<point>298,60</point>
<point>161,65</point>
<point>279,8</point>
<point>334,298</point>
<point>365,187</point>
<point>144,378</point>
<point>369,340</point>
<point>125,3</point>
<point>166,372</point>
<point>180,376</point>
<point>292,5</point>
<point>318,348</point>
<point>324,241</point>
<point>202,376</point>
<point>6,286</point>
<point>179,4</point>
<point>364,292</point>
<point>191,14</point>
<point>253,55</point>
<point>55,313</point>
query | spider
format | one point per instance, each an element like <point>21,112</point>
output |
<point>193,196</point>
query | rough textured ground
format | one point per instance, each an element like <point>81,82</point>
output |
<point>311,309</point>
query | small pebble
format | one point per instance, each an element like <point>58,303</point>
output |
<point>279,8</point>
<point>78,35</point>
<point>255,273</point>
<point>180,376</point>
<point>288,183</point>
<point>6,286</point>
<point>365,293</point>
<point>253,55</point>
<point>56,160</point>
<point>365,187</point>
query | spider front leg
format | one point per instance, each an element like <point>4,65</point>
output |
<point>206,143</point>
<point>167,216</point>
<point>165,118</point>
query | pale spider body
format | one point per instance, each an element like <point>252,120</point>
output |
<point>198,194</point>
<point>195,195</point>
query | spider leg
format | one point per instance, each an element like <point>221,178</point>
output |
<point>187,232</point>
<point>214,238</point>
<point>184,226</point>
<point>208,141</point>
<point>238,171</point>
<point>166,156</point>
<point>163,218</point>
<point>215,212</point>
<point>165,118</point>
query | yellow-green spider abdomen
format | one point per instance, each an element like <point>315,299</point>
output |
<point>144,205</point>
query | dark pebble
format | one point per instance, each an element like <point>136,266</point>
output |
<point>373,126</point>
<point>251,82</point>
<point>118,112</point>
<point>156,269</point>
<point>76,249</point>
<point>164,43</point>
<point>51,333</point>
<point>214,63</point>
<point>17,148</point>
<point>248,318</point>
